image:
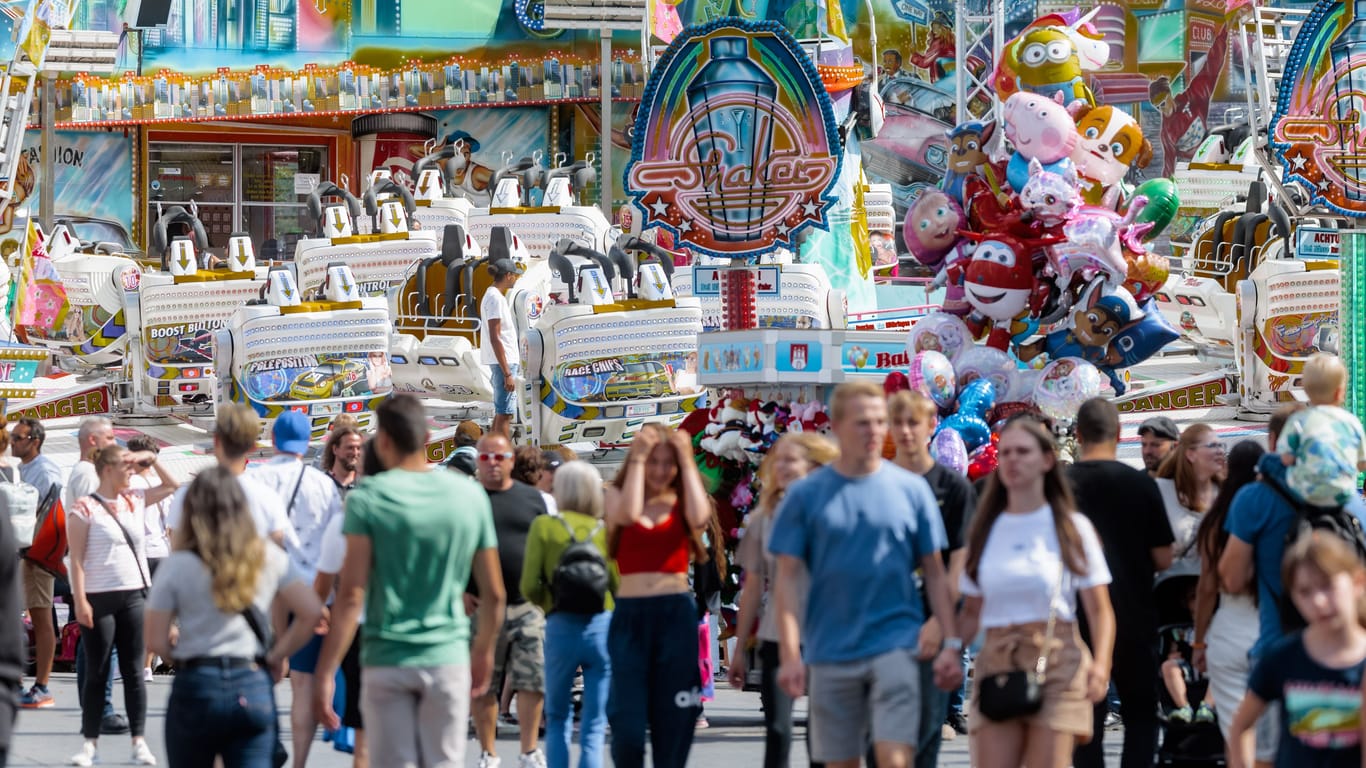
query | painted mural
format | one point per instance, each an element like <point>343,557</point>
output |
<point>488,139</point>
<point>94,191</point>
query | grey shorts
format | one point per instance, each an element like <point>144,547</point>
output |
<point>880,694</point>
<point>1268,733</point>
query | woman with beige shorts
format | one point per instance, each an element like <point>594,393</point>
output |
<point>1030,553</point>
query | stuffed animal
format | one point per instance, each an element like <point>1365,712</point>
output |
<point>1039,128</point>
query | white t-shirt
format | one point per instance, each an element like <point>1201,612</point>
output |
<point>110,564</point>
<point>154,518</point>
<point>81,483</point>
<point>495,307</point>
<point>1019,568</point>
<point>267,511</point>
<point>315,504</point>
<point>334,553</point>
<point>1185,525</point>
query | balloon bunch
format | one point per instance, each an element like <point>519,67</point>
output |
<point>1041,245</point>
<point>978,387</point>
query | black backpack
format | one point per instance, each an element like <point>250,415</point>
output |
<point>1334,521</point>
<point>581,579</point>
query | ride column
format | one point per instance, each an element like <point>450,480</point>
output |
<point>739,286</point>
<point>1352,346</point>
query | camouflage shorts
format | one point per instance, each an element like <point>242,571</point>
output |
<point>520,650</point>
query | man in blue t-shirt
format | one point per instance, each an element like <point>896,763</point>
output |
<point>1258,520</point>
<point>861,527</point>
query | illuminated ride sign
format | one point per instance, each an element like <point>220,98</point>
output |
<point>735,148</point>
<point>1318,131</point>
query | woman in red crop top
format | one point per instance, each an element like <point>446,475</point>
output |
<point>656,508</point>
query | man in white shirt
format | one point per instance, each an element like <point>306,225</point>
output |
<point>498,341</point>
<point>234,436</point>
<point>311,501</point>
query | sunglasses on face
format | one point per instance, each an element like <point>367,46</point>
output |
<point>20,438</point>
<point>495,457</point>
<point>1216,446</point>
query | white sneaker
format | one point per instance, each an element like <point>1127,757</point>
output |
<point>142,754</point>
<point>86,756</point>
<point>487,760</point>
<point>146,674</point>
<point>535,759</point>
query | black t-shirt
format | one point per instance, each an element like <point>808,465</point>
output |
<point>1126,509</point>
<point>12,651</point>
<point>957,501</point>
<point>513,512</point>
<point>1320,724</point>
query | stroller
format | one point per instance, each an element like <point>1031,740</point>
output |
<point>1183,744</point>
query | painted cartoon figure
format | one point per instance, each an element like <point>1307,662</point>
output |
<point>1040,129</point>
<point>1049,198</point>
<point>1185,116</point>
<point>968,157</point>
<point>1109,143</point>
<point>940,54</point>
<point>931,227</point>
<point>1001,287</point>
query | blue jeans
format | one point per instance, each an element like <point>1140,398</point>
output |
<point>573,641</point>
<point>504,402</point>
<point>221,711</point>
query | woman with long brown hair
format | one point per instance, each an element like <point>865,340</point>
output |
<point>109,580</point>
<point>221,579</point>
<point>1226,624</point>
<point>656,507</point>
<point>1189,479</point>
<point>1030,555</point>
<point>791,458</point>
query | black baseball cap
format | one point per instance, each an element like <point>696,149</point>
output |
<point>552,460</point>
<point>1160,426</point>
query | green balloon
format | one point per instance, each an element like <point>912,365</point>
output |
<point>1162,204</point>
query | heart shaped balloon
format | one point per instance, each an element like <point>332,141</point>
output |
<point>948,449</point>
<point>1064,385</point>
<point>982,462</point>
<point>931,374</point>
<point>939,332</point>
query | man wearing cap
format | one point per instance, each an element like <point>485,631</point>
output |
<point>498,342</point>
<point>1158,437</point>
<point>311,501</point>
<point>464,459</point>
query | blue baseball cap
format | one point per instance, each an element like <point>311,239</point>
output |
<point>292,433</point>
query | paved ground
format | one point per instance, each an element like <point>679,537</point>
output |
<point>735,738</point>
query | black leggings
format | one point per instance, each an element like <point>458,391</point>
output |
<point>118,623</point>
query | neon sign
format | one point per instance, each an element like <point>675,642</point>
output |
<point>736,149</point>
<point>1319,128</point>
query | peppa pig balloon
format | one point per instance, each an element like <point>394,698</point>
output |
<point>1040,129</point>
<point>1064,385</point>
<point>940,332</point>
<point>948,449</point>
<point>931,227</point>
<point>931,374</point>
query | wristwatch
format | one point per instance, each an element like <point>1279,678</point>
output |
<point>953,644</point>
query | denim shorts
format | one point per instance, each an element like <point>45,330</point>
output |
<point>502,398</point>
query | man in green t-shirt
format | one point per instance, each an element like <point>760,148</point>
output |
<point>412,538</point>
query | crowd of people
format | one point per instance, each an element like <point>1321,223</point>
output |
<point>512,579</point>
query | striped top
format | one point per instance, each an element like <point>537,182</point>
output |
<point>109,564</point>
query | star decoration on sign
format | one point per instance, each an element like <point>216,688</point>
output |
<point>660,208</point>
<point>1297,162</point>
<point>811,209</point>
